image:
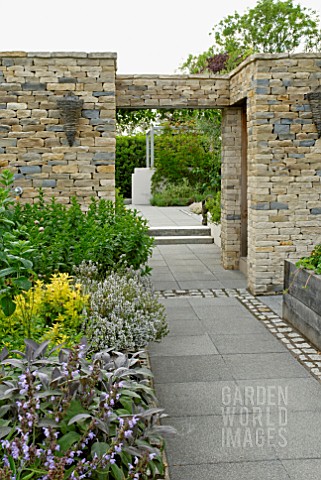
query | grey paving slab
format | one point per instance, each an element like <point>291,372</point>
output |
<point>202,368</point>
<point>300,469</point>
<point>200,439</point>
<point>199,398</point>
<point>274,302</point>
<point>157,263</point>
<point>173,258</point>
<point>268,470</point>
<point>185,327</point>
<point>199,284</point>
<point>163,285</point>
<point>235,283</point>
<point>198,268</point>
<point>264,365</point>
<point>212,311</point>
<point>166,216</point>
<point>192,263</point>
<point>232,326</point>
<point>204,248</point>
<point>208,304</point>
<point>163,277</point>
<point>193,277</point>
<point>229,274</point>
<point>183,345</point>
<point>300,394</point>
<point>303,435</point>
<point>179,309</point>
<point>161,269</point>
<point>227,347</point>
<point>184,314</point>
<point>249,343</point>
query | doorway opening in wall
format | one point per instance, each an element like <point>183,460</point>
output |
<point>186,153</point>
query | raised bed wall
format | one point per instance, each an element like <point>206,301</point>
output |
<point>302,301</point>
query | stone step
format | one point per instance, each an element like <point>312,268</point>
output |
<point>179,239</point>
<point>179,231</point>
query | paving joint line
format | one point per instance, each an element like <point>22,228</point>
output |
<point>296,343</point>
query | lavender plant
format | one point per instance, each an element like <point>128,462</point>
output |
<point>64,417</point>
<point>124,310</point>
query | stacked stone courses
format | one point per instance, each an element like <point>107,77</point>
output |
<point>32,140</point>
<point>172,91</point>
<point>284,163</point>
<point>231,188</point>
<point>283,149</point>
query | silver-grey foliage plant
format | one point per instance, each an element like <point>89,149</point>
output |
<point>125,312</point>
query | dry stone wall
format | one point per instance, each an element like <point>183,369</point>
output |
<point>283,148</point>
<point>231,187</point>
<point>32,141</point>
<point>284,163</point>
<point>172,91</point>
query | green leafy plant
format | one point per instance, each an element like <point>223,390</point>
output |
<point>124,311</point>
<point>16,267</point>
<point>64,417</point>
<point>213,205</point>
<point>63,237</point>
<point>178,152</point>
<point>313,261</point>
<point>181,194</point>
<point>130,154</point>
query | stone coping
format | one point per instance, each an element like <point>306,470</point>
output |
<point>16,54</point>
<point>251,59</point>
<point>172,76</point>
<point>271,56</point>
<point>113,55</point>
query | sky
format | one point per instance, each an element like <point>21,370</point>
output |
<point>148,36</point>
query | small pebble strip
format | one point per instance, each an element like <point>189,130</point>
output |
<point>299,346</point>
<point>205,293</point>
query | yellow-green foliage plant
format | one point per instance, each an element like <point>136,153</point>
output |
<point>52,311</point>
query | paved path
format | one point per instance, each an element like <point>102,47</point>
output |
<point>243,406</point>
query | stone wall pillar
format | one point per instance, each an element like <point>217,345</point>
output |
<point>231,187</point>
<point>284,167</point>
<point>33,143</point>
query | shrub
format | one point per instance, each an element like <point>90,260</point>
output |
<point>63,237</point>
<point>124,311</point>
<point>185,153</point>
<point>63,417</point>
<point>52,311</point>
<point>176,153</point>
<point>130,154</point>
<point>213,205</point>
<point>174,194</point>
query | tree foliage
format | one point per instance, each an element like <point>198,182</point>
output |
<point>130,121</point>
<point>272,26</point>
<point>189,147</point>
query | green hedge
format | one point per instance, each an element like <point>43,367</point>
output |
<point>130,154</point>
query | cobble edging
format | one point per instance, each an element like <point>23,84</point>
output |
<point>300,347</point>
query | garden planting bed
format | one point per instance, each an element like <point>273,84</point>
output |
<point>302,301</point>
<point>76,313</point>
